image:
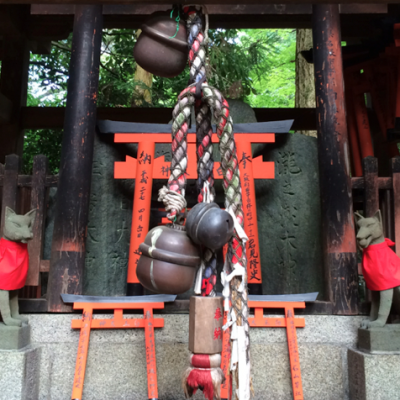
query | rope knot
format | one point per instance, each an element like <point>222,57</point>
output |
<point>174,202</point>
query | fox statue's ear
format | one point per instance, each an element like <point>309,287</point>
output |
<point>357,216</point>
<point>32,215</point>
<point>9,212</point>
<point>378,216</point>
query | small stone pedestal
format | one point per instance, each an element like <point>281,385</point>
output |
<point>374,369</point>
<point>14,337</point>
<point>380,340</point>
<point>19,364</point>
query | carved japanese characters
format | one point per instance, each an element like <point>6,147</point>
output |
<point>14,263</point>
<point>381,268</point>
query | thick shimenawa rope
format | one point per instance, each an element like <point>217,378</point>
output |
<point>205,161</point>
<point>233,198</point>
<point>204,98</point>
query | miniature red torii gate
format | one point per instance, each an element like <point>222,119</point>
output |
<point>145,168</point>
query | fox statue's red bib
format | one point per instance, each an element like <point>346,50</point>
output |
<point>381,266</point>
<point>14,264</point>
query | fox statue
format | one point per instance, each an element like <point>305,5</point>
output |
<point>381,269</point>
<point>14,263</point>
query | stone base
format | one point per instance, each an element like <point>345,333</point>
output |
<point>373,377</point>
<point>14,337</point>
<point>380,340</point>
<point>19,374</point>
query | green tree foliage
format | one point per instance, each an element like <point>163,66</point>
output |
<point>254,65</point>
<point>277,88</point>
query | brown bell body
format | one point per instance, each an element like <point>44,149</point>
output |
<point>169,260</point>
<point>157,51</point>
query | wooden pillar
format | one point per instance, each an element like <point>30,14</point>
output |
<point>14,87</point>
<point>70,225</point>
<point>338,235</point>
<point>10,187</point>
<point>371,188</point>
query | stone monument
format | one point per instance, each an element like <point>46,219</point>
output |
<point>289,219</point>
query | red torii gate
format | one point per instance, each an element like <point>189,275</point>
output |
<point>145,168</point>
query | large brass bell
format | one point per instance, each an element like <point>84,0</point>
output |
<point>208,225</point>
<point>157,50</point>
<point>169,260</point>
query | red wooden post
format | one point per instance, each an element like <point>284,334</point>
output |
<point>338,233</point>
<point>364,132</point>
<point>148,323</point>
<point>152,388</point>
<point>83,348</point>
<point>353,133</point>
<point>141,211</point>
<point>396,201</point>
<point>254,278</point>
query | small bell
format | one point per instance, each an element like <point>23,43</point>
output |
<point>162,47</point>
<point>208,225</point>
<point>169,260</point>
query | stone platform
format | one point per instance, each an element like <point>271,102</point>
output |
<point>116,368</point>
<point>373,377</point>
<point>380,340</point>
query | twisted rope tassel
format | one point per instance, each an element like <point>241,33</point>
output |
<point>233,201</point>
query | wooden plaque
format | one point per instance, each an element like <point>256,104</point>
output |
<point>205,325</point>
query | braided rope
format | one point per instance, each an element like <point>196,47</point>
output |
<point>231,181</point>
<point>204,98</point>
<point>205,161</point>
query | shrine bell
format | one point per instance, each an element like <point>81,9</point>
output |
<point>169,260</point>
<point>162,47</point>
<point>209,226</point>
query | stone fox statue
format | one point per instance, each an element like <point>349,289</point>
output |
<point>381,269</point>
<point>14,263</point>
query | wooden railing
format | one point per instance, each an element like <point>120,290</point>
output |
<point>381,193</point>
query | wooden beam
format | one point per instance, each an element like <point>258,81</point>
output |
<point>5,109</point>
<point>183,2</point>
<point>213,9</point>
<point>53,117</point>
<point>358,20</point>
<point>382,182</point>
<point>13,19</point>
